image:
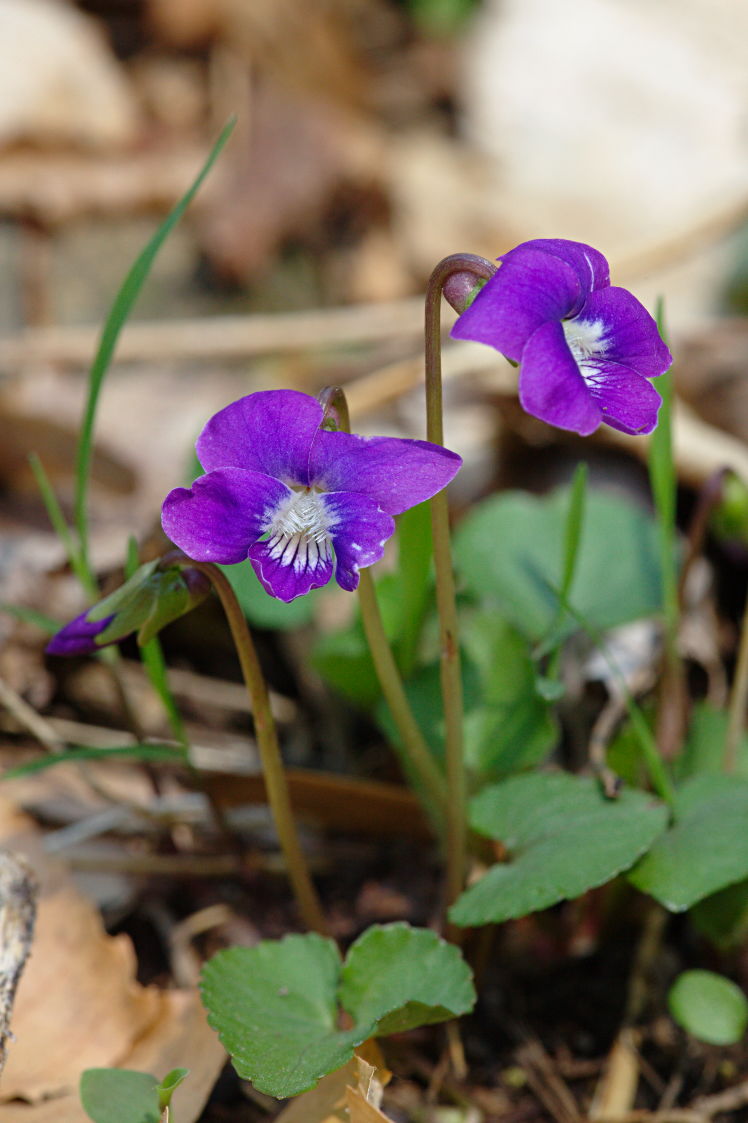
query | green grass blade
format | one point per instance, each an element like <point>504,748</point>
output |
<point>31,616</point>
<point>664,484</point>
<point>60,526</point>
<point>573,528</point>
<point>414,565</point>
<point>118,315</point>
<point>152,658</point>
<point>549,685</point>
<point>128,752</point>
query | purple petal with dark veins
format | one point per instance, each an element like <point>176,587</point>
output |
<point>630,336</point>
<point>628,400</point>
<point>588,263</point>
<point>79,636</point>
<point>395,473</point>
<point>222,514</point>
<point>551,386</point>
<point>359,530</point>
<point>269,432</point>
<point>292,573</point>
<point>530,288</point>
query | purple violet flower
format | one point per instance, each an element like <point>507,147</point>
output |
<point>79,636</point>
<point>297,499</point>
<point>586,350</point>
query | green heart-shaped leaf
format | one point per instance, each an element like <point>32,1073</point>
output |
<point>276,1006</point>
<point>705,849</point>
<point>563,837</point>
<point>510,553</point>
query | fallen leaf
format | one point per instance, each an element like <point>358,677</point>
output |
<point>326,1103</point>
<point>79,1005</point>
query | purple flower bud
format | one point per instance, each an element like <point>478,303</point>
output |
<point>79,636</point>
<point>460,289</point>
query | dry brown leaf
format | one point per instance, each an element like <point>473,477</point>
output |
<point>79,1005</point>
<point>361,1111</point>
<point>363,1100</point>
<point>326,1103</point>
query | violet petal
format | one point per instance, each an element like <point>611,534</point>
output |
<point>79,636</point>
<point>551,385</point>
<point>628,400</point>
<point>394,472</point>
<point>630,334</point>
<point>269,432</point>
<point>588,263</point>
<point>298,570</point>
<point>359,530</point>
<point>222,514</point>
<point>529,289</point>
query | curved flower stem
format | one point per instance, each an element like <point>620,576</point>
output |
<point>335,405</point>
<point>451,676</point>
<point>307,900</point>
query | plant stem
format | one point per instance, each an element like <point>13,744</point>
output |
<point>416,751</point>
<point>414,745</point>
<point>279,800</point>
<point>738,699</point>
<point>451,675</point>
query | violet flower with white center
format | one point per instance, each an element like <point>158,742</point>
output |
<point>586,350</point>
<point>296,499</point>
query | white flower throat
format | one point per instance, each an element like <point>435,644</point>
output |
<point>585,341</point>
<point>298,532</point>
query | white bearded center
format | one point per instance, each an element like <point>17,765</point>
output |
<point>298,532</point>
<point>585,341</point>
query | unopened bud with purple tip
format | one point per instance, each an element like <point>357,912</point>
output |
<point>461,288</point>
<point>145,604</point>
<point>79,636</point>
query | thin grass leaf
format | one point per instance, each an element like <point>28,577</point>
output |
<point>548,686</point>
<point>414,566</point>
<point>31,616</point>
<point>132,557</point>
<point>573,528</point>
<point>664,484</point>
<point>89,752</point>
<point>118,315</point>
<point>60,526</point>
<point>152,658</point>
